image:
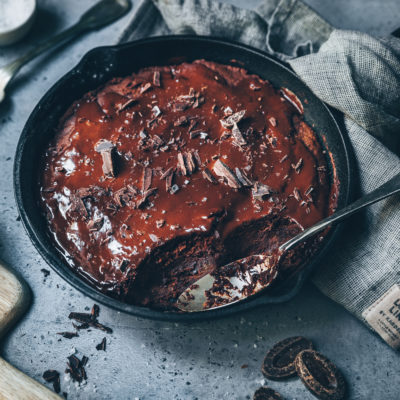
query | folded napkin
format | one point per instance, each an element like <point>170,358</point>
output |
<point>357,75</point>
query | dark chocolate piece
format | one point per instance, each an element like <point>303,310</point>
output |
<point>266,393</point>
<point>321,377</point>
<point>102,345</point>
<point>221,169</point>
<point>279,360</point>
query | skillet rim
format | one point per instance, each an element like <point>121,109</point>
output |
<point>52,255</point>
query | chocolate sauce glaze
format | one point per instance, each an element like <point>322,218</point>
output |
<point>155,179</point>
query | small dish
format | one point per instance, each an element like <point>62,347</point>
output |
<point>16,18</point>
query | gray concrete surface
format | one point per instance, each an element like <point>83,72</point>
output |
<point>157,360</point>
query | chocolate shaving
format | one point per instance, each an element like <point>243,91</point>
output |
<point>182,164</point>
<point>106,149</point>
<point>192,125</point>
<point>244,180</point>
<point>232,119</point>
<point>68,335</point>
<point>146,179</point>
<point>76,368</point>
<point>297,194</point>
<point>260,191</point>
<point>165,174</point>
<point>197,157</point>
<point>95,311</point>
<point>221,169</point>
<point>208,175</point>
<point>181,121</point>
<point>102,345</point>
<point>89,320</point>
<point>297,167</point>
<point>122,106</point>
<point>157,78</point>
<point>190,162</point>
<point>145,88</point>
<point>145,196</point>
<point>95,225</point>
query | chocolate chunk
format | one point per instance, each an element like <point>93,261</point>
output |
<point>146,179</point>
<point>78,208</point>
<point>221,169</point>
<point>237,135</point>
<point>320,375</point>
<point>157,78</point>
<point>102,345</point>
<point>261,191</point>
<point>266,393</point>
<point>106,149</point>
<point>68,335</point>
<point>244,180</point>
<point>50,375</point>
<point>208,175</point>
<point>53,376</point>
<point>233,119</point>
<point>279,361</point>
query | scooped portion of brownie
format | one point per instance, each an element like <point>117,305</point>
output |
<point>158,178</point>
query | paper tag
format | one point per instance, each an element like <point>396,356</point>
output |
<point>384,316</point>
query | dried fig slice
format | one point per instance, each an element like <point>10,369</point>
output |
<point>320,375</point>
<point>279,361</point>
<point>266,393</point>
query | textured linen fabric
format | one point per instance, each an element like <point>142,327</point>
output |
<point>356,74</point>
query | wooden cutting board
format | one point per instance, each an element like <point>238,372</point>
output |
<point>14,301</point>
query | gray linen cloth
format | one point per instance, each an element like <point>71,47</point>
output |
<point>354,73</point>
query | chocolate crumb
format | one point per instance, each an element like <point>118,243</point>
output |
<point>45,272</point>
<point>102,345</point>
<point>68,335</point>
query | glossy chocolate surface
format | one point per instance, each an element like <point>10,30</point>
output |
<point>158,178</point>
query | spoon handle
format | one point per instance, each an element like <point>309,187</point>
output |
<point>102,13</point>
<point>387,189</point>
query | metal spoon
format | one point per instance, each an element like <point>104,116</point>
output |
<point>242,278</point>
<point>101,14</point>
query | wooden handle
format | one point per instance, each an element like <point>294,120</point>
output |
<point>15,385</point>
<point>14,300</point>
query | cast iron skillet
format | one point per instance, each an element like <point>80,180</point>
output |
<point>103,63</point>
